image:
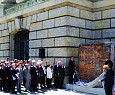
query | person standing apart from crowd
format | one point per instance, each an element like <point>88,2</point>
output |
<point>49,75</point>
<point>109,80</point>
<point>71,69</point>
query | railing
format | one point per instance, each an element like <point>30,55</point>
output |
<point>23,5</point>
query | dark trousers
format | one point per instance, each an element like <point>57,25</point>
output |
<point>49,82</point>
<point>70,78</point>
<point>55,81</point>
<point>43,80</point>
<point>3,85</point>
<point>14,82</point>
<point>7,85</point>
<point>108,90</point>
<point>60,83</point>
<point>34,83</point>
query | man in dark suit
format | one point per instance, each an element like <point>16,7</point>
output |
<point>7,77</point>
<point>108,85</point>
<point>34,76</point>
<point>14,78</point>
<point>55,71</point>
<point>61,74</point>
<point>71,69</point>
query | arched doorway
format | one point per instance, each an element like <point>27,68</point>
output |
<point>21,45</point>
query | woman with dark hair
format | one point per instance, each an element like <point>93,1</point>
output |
<point>109,80</point>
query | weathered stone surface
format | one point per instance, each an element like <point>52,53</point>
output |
<point>68,41</point>
<point>63,31</point>
<point>101,40</point>
<point>13,25</point>
<point>1,53</point>
<point>6,39</point>
<point>56,32</point>
<point>57,52</point>
<point>10,27</point>
<point>42,34</point>
<point>34,18</point>
<point>107,33</point>
<point>4,46</point>
<point>97,15</point>
<point>89,24</point>
<point>48,23</point>
<point>71,31</point>
<point>5,26</point>
<point>86,14</point>
<point>36,26</point>
<point>97,34</point>
<point>24,22</point>
<point>89,41</point>
<point>33,52</point>
<point>34,43</point>
<point>0,33</point>
<point>6,53</point>
<point>42,16</point>
<point>2,26</point>
<point>5,33</point>
<point>28,22</point>
<point>48,42</point>
<point>61,21</point>
<point>1,40</point>
<point>32,35</point>
<point>58,12</point>
<point>72,11</point>
<point>108,13</point>
<point>102,24</point>
<point>112,22</point>
<point>76,22</point>
<point>86,33</point>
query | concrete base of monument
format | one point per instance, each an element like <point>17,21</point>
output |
<point>85,89</point>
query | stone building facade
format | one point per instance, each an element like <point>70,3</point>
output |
<point>58,26</point>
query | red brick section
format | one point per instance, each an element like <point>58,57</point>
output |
<point>91,60</point>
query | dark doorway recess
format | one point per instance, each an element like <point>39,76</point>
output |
<point>21,45</point>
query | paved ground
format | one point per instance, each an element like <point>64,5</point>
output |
<point>50,92</point>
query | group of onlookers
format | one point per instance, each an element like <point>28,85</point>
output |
<point>31,74</point>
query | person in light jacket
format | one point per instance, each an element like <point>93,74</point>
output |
<point>49,76</point>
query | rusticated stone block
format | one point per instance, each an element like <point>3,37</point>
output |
<point>32,35</point>
<point>86,33</point>
<point>28,22</point>
<point>6,39</point>
<point>5,33</point>
<point>68,41</point>
<point>97,15</point>
<point>42,34</point>
<point>48,23</point>
<point>1,54</point>
<point>33,52</point>
<point>86,14</point>
<point>48,42</point>
<point>107,33</point>
<point>36,26</point>
<point>42,16</point>
<point>6,53</point>
<point>4,46</point>
<point>34,18</point>
<point>61,21</point>
<point>108,13</point>
<point>34,43</point>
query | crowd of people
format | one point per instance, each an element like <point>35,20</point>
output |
<point>33,75</point>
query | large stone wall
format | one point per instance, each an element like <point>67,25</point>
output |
<point>60,29</point>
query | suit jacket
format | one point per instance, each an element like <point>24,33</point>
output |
<point>34,72</point>
<point>55,70</point>
<point>61,72</point>
<point>13,74</point>
<point>2,73</point>
<point>109,80</point>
